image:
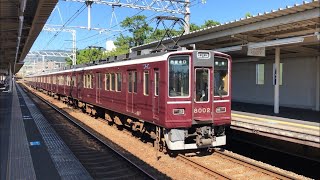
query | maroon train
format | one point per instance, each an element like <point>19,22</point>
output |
<point>181,98</point>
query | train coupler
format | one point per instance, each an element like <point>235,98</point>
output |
<point>204,136</point>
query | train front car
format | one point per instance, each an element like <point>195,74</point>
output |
<point>199,100</point>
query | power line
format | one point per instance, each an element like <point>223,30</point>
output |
<point>113,35</point>
<point>75,15</point>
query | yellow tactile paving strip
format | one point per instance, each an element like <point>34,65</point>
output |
<point>276,121</point>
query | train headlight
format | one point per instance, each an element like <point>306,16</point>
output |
<point>221,109</point>
<point>179,111</point>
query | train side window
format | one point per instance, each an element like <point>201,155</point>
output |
<point>107,82</point>
<point>68,81</point>
<point>90,81</point>
<point>113,82</point>
<point>129,81</point>
<point>135,81</point>
<point>119,82</point>
<point>54,80</point>
<point>156,83</point>
<point>73,81</point>
<point>60,80</point>
<point>99,81</point>
<point>146,83</point>
<point>85,81</point>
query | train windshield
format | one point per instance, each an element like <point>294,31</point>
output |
<point>179,76</point>
<point>221,76</point>
<point>202,84</point>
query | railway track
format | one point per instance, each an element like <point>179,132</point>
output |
<point>249,169</point>
<point>252,165</point>
<point>203,168</point>
<point>100,159</point>
<point>252,168</point>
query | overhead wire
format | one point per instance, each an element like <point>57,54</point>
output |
<point>113,35</point>
<point>75,15</point>
<point>151,18</point>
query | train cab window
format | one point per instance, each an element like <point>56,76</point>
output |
<point>202,84</point>
<point>107,82</point>
<point>119,81</point>
<point>146,83</point>
<point>113,82</point>
<point>179,76</point>
<point>221,77</point>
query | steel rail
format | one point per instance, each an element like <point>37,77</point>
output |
<point>64,114</point>
<point>203,168</point>
<point>253,165</point>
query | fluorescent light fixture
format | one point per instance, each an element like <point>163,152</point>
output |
<point>23,5</point>
<point>277,42</point>
<point>229,49</point>
<point>245,60</point>
<point>318,35</point>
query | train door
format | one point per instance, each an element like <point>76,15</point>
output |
<point>130,90</point>
<point>203,94</point>
<point>155,94</point>
<point>98,87</point>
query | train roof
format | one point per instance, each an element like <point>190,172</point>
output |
<point>122,61</point>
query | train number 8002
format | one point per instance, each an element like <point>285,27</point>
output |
<point>201,110</point>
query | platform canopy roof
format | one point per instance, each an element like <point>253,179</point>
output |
<point>294,28</point>
<point>21,21</point>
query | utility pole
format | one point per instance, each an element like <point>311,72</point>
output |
<point>187,18</point>
<point>74,45</point>
<point>89,3</point>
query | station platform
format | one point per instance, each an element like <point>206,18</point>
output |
<point>294,125</point>
<point>29,146</point>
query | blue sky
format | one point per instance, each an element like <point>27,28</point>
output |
<point>218,10</point>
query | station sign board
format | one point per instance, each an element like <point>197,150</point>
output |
<point>259,51</point>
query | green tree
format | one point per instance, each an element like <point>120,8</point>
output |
<point>247,15</point>
<point>122,46</point>
<point>194,27</point>
<point>139,28</point>
<point>210,23</point>
<point>87,55</point>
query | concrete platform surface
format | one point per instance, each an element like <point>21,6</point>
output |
<point>29,147</point>
<point>290,125</point>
